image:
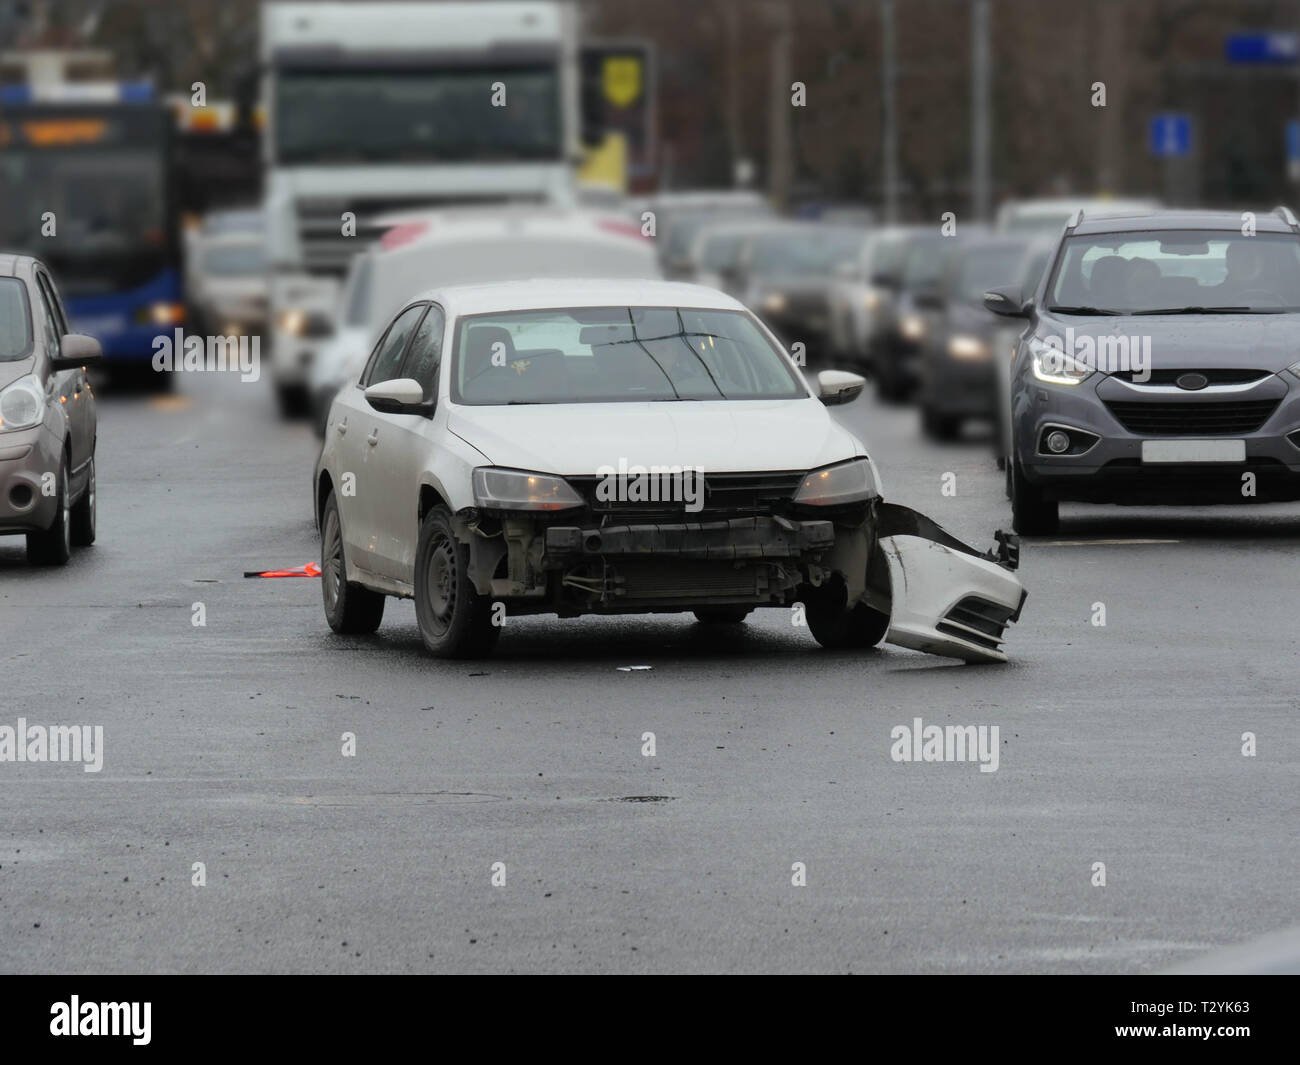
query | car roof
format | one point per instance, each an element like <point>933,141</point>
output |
<point>1129,221</point>
<point>540,294</point>
<point>13,265</point>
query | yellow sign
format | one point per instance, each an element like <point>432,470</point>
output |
<point>622,80</point>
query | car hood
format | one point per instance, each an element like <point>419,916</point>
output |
<point>11,371</point>
<point>1186,341</point>
<point>725,436</point>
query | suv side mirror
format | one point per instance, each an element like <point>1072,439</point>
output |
<point>1006,302</point>
<point>402,395</point>
<point>75,350</point>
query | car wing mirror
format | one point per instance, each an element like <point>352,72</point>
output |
<point>75,350</point>
<point>402,395</point>
<point>835,387</point>
<point>1007,303</point>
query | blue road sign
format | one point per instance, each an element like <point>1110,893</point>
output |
<point>1270,47</point>
<point>1171,135</point>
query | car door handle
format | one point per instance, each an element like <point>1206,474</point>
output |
<point>342,426</point>
<point>373,438</point>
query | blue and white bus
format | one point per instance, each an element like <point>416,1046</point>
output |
<point>87,184</point>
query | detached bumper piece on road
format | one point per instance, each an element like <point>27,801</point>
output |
<point>948,599</point>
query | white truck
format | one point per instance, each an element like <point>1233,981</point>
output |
<point>377,107</point>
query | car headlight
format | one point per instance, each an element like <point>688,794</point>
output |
<point>1294,369</point>
<point>871,299</point>
<point>1053,365</point>
<point>774,302</point>
<point>847,482</point>
<point>496,489</point>
<point>22,404</point>
<point>912,326</point>
<point>970,348</point>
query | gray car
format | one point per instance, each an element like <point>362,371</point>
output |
<point>1159,364</point>
<point>47,417</point>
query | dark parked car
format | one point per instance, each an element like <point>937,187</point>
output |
<point>1160,365</point>
<point>47,417</point>
<point>898,344</point>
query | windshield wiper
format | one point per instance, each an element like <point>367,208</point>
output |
<point>1084,310</point>
<point>1204,310</point>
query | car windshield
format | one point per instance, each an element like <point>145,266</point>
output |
<point>617,355</point>
<point>806,252</point>
<point>235,260</point>
<point>15,323</point>
<point>981,269</point>
<point>1187,271</point>
<point>923,262</point>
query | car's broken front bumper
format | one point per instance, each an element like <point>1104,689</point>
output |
<point>947,598</point>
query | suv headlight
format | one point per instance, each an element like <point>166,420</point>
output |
<point>1053,365</point>
<point>912,326</point>
<point>496,489</point>
<point>22,404</point>
<point>847,482</point>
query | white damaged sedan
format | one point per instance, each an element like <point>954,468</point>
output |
<point>615,447</point>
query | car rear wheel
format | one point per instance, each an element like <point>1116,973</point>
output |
<point>722,615</point>
<point>941,427</point>
<point>83,514</point>
<point>837,626</point>
<point>1031,513</point>
<point>454,620</point>
<point>53,547</point>
<point>350,608</point>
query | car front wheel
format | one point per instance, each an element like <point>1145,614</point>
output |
<point>83,514</point>
<point>1031,513</point>
<point>350,608</point>
<point>722,615</point>
<point>53,547</point>
<point>837,626</point>
<point>454,620</point>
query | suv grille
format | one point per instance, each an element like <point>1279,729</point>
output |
<point>1193,419</point>
<point>1219,376</point>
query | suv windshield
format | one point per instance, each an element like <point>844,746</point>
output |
<point>617,355</point>
<point>15,323</point>
<point>1187,271</point>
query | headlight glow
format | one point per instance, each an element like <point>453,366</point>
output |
<point>1054,366</point>
<point>774,302</point>
<point>847,482</point>
<point>496,489</point>
<point>912,326</point>
<point>871,299</point>
<point>970,348</point>
<point>22,404</point>
<point>293,321</point>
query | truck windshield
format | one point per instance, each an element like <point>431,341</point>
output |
<point>617,355</point>
<point>346,116</point>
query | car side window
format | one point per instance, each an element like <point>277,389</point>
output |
<point>56,304</point>
<point>52,331</point>
<point>386,361</point>
<point>425,353</point>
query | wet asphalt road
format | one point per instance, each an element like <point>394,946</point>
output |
<point>1119,744</point>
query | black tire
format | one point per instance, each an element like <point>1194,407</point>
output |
<point>722,615</point>
<point>83,512</point>
<point>838,627</point>
<point>53,547</point>
<point>455,621</point>
<point>350,608</point>
<point>1031,513</point>
<point>940,427</point>
<point>293,400</point>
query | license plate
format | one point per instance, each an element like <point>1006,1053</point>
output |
<point>1157,451</point>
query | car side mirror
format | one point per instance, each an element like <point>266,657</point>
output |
<point>1007,303</point>
<point>835,387</point>
<point>75,350</point>
<point>402,395</point>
